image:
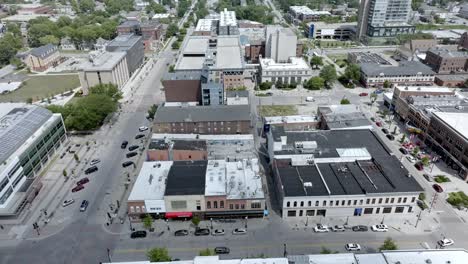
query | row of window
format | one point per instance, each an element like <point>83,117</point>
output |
<point>352,202</point>
<point>322,212</point>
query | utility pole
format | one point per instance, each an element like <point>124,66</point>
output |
<point>432,202</point>
<point>417,220</point>
<point>108,255</point>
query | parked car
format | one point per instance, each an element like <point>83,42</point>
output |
<point>419,166</point>
<point>437,188</point>
<point>310,99</point>
<point>67,202</point>
<point>363,94</point>
<point>378,123</point>
<point>411,159</point>
<point>94,162</point>
<point>138,234</point>
<point>379,228</point>
<point>182,232</point>
<point>221,250</point>
<point>82,181</point>
<point>445,242</point>
<point>404,151</point>
<point>142,128</point>
<point>338,228</point>
<point>390,137</point>
<point>131,154</point>
<point>78,188</point>
<point>379,91</point>
<point>218,232</point>
<point>360,228</point>
<point>124,144</point>
<point>427,177</point>
<point>84,205</point>
<point>202,232</point>
<point>127,163</point>
<point>385,131</point>
<point>321,229</point>
<point>353,247</point>
<point>239,231</point>
<point>133,147</point>
<point>139,136</point>
<point>91,170</point>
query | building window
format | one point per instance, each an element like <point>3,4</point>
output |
<point>413,199</point>
<point>179,204</point>
<point>361,202</point>
<point>349,202</point>
<point>310,212</point>
<point>368,201</point>
<point>237,206</point>
<point>291,213</point>
<point>387,200</point>
<point>324,203</point>
<point>380,200</point>
<point>255,205</point>
<point>132,209</point>
<point>215,204</point>
<point>398,209</point>
<point>410,209</point>
<point>288,204</point>
<point>368,210</point>
<point>373,201</point>
<point>231,206</point>
<point>343,203</point>
<point>221,204</point>
<point>355,202</point>
<point>399,199</point>
<point>404,200</point>
<point>377,211</point>
<point>321,212</point>
<point>392,200</point>
<point>208,205</point>
<point>337,203</point>
<point>387,210</point>
<point>295,204</point>
<point>309,203</point>
<point>316,203</point>
<point>300,212</point>
<point>242,206</point>
<point>331,203</point>
<point>302,203</point>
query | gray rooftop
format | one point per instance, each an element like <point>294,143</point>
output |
<point>405,69</point>
<point>237,93</point>
<point>104,61</point>
<point>343,116</point>
<point>167,114</point>
<point>130,23</point>
<point>446,53</point>
<point>44,51</point>
<point>186,178</point>
<point>182,75</point>
<point>123,42</point>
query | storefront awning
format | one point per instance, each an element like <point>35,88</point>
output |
<point>179,215</point>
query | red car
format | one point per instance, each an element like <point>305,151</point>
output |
<point>419,166</point>
<point>82,181</point>
<point>363,94</point>
<point>437,188</point>
<point>78,188</point>
<point>378,123</point>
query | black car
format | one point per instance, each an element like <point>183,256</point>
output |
<point>391,137</point>
<point>221,250</point>
<point>133,147</point>
<point>385,131</point>
<point>124,144</point>
<point>138,234</point>
<point>127,163</point>
<point>404,151</point>
<point>131,154</point>
<point>202,232</point>
<point>182,232</point>
<point>139,136</point>
<point>360,228</point>
<point>91,169</point>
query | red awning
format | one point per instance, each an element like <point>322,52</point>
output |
<point>179,215</point>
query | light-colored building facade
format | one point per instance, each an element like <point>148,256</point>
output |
<point>295,71</point>
<point>305,14</point>
<point>281,43</point>
<point>412,73</point>
<point>339,31</point>
<point>42,58</point>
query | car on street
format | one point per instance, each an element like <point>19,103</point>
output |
<point>352,247</point>
<point>379,228</point>
<point>385,131</point>
<point>427,177</point>
<point>82,181</point>
<point>378,123</point>
<point>124,144</point>
<point>437,188</point>
<point>138,234</point>
<point>78,188</point>
<point>131,154</point>
<point>411,159</point>
<point>139,136</point>
<point>338,228</point>
<point>221,250</point>
<point>310,99</point>
<point>94,162</point>
<point>182,232</point>
<point>363,94</point>
<point>67,202</point>
<point>84,205</point>
<point>218,232</point>
<point>379,91</point>
<point>445,242</point>
<point>239,231</point>
<point>202,232</point>
<point>142,128</point>
<point>419,166</point>
<point>403,151</point>
<point>127,163</point>
<point>390,137</point>
<point>360,228</point>
<point>321,229</point>
<point>91,170</point>
<point>133,147</point>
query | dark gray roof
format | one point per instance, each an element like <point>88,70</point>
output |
<point>237,94</point>
<point>158,144</point>
<point>183,75</point>
<point>123,42</point>
<point>44,51</point>
<point>167,114</point>
<point>130,23</point>
<point>186,178</point>
<point>343,116</point>
<point>446,53</point>
<point>189,145</point>
<point>405,68</point>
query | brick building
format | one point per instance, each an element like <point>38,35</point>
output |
<point>442,60</point>
<point>43,57</point>
<point>177,150</point>
<point>451,80</point>
<point>182,86</point>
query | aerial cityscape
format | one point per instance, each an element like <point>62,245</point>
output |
<point>234,132</point>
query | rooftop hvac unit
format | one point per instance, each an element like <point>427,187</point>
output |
<point>307,184</point>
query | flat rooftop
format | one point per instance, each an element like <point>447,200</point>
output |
<point>307,11</point>
<point>186,178</point>
<point>228,53</point>
<point>104,61</point>
<point>151,181</point>
<point>273,120</point>
<point>204,24</point>
<point>293,64</point>
<point>344,116</point>
<point>424,89</point>
<point>405,68</point>
<point>166,114</point>
<point>457,121</point>
<point>190,63</point>
<point>195,45</point>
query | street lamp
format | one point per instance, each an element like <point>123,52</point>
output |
<point>307,221</point>
<point>211,221</point>
<point>246,222</point>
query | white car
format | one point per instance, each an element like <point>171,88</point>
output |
<point>445,242</point>
<point>353,247</point>
<point>218,232</point>
<point>94,162</point>
<point>310,99</point>
<point>67,202</point>
<point>321,229</point>
<point>239,231</point>
<point>143,128</point>
<point>379,228</point>
<point>338,228</point>
<point>411,159</point>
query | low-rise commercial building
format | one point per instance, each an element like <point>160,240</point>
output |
<point>402,93</point>
<point>291,123</point>
<point>182,86</point>
<point>129,27</point>
<point>442,60</point>
<point>338,173</point>
<point>407,73</point>
<point>133,47</point>
<point>151,33</point>
<point>451,80</point>
<point>338,31</point>
<point>337,117</point>
<point>43,57</point>
<point>205,27</point>
<point>305,14</point>
<point>237,97</point>
<point>29,138</point>
<point>297,70</point>
<point>220,119</point>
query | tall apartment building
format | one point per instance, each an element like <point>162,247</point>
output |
<point>384,18</point>
<point>228,23</point>
<point>281,43</point>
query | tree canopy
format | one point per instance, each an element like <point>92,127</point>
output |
<point>314,83</point>
<point>328,73</point>
<point>158,255</point>
<point>389,244</point>
<point>115,6</point>
<point>353,72</point>
<point>9,45</point>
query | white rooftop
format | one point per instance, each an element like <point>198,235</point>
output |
<point>103,61</point>
<point>227,18</point>
<point>423,89</point>
<point>290,119</point>
<point>243,180</point>
<point>435,256</point>
<point>215,178</point>
<point>156,16</point>
<point>197,45</point>
<point>307,11</point>
<point>295,63</point>
<point>228,53</point>
<point>216,260</point>
<point>443,34</point>
<point>190,63</point>
<point>9,86</point>
<point>457,121</point>
<point>151,181</point>
<point>204,25</point>
<point>205,137</point>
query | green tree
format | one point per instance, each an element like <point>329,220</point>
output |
<point>422,196</point>
<point>171,30</point>
<point>158,255</point>
<point>353,72</point>
<point>152,111</point>
<point>49,39</point>
<point>75,156</point>
<point>64,21</point>
<point>156,8</point>
<point>328,74</point>
<point>345,101</point>
<point>387,84</point>
<point>265,85</point>
<point>110,90</point>
<point>64,172</point>
<point>206,252</point>
<point>389,244</point>
<point>115,6</point>
<point>195,221</point>
<point>9,45</point>
<point>314,83</point>
<point>171,68</point>
<point>425,161</point>
<point>403,137</point>
<point>13,28</point>
<point>327,251</point>
<point>148,221</point>
<point>175,45</point>
<point>316,61</point>
<point>86,6</point>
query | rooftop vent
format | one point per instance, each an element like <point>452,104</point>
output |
<point>307,184</point>
<point>428,261</point>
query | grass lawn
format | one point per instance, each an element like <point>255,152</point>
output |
<point>277,110</point>
<point>38,87</point>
